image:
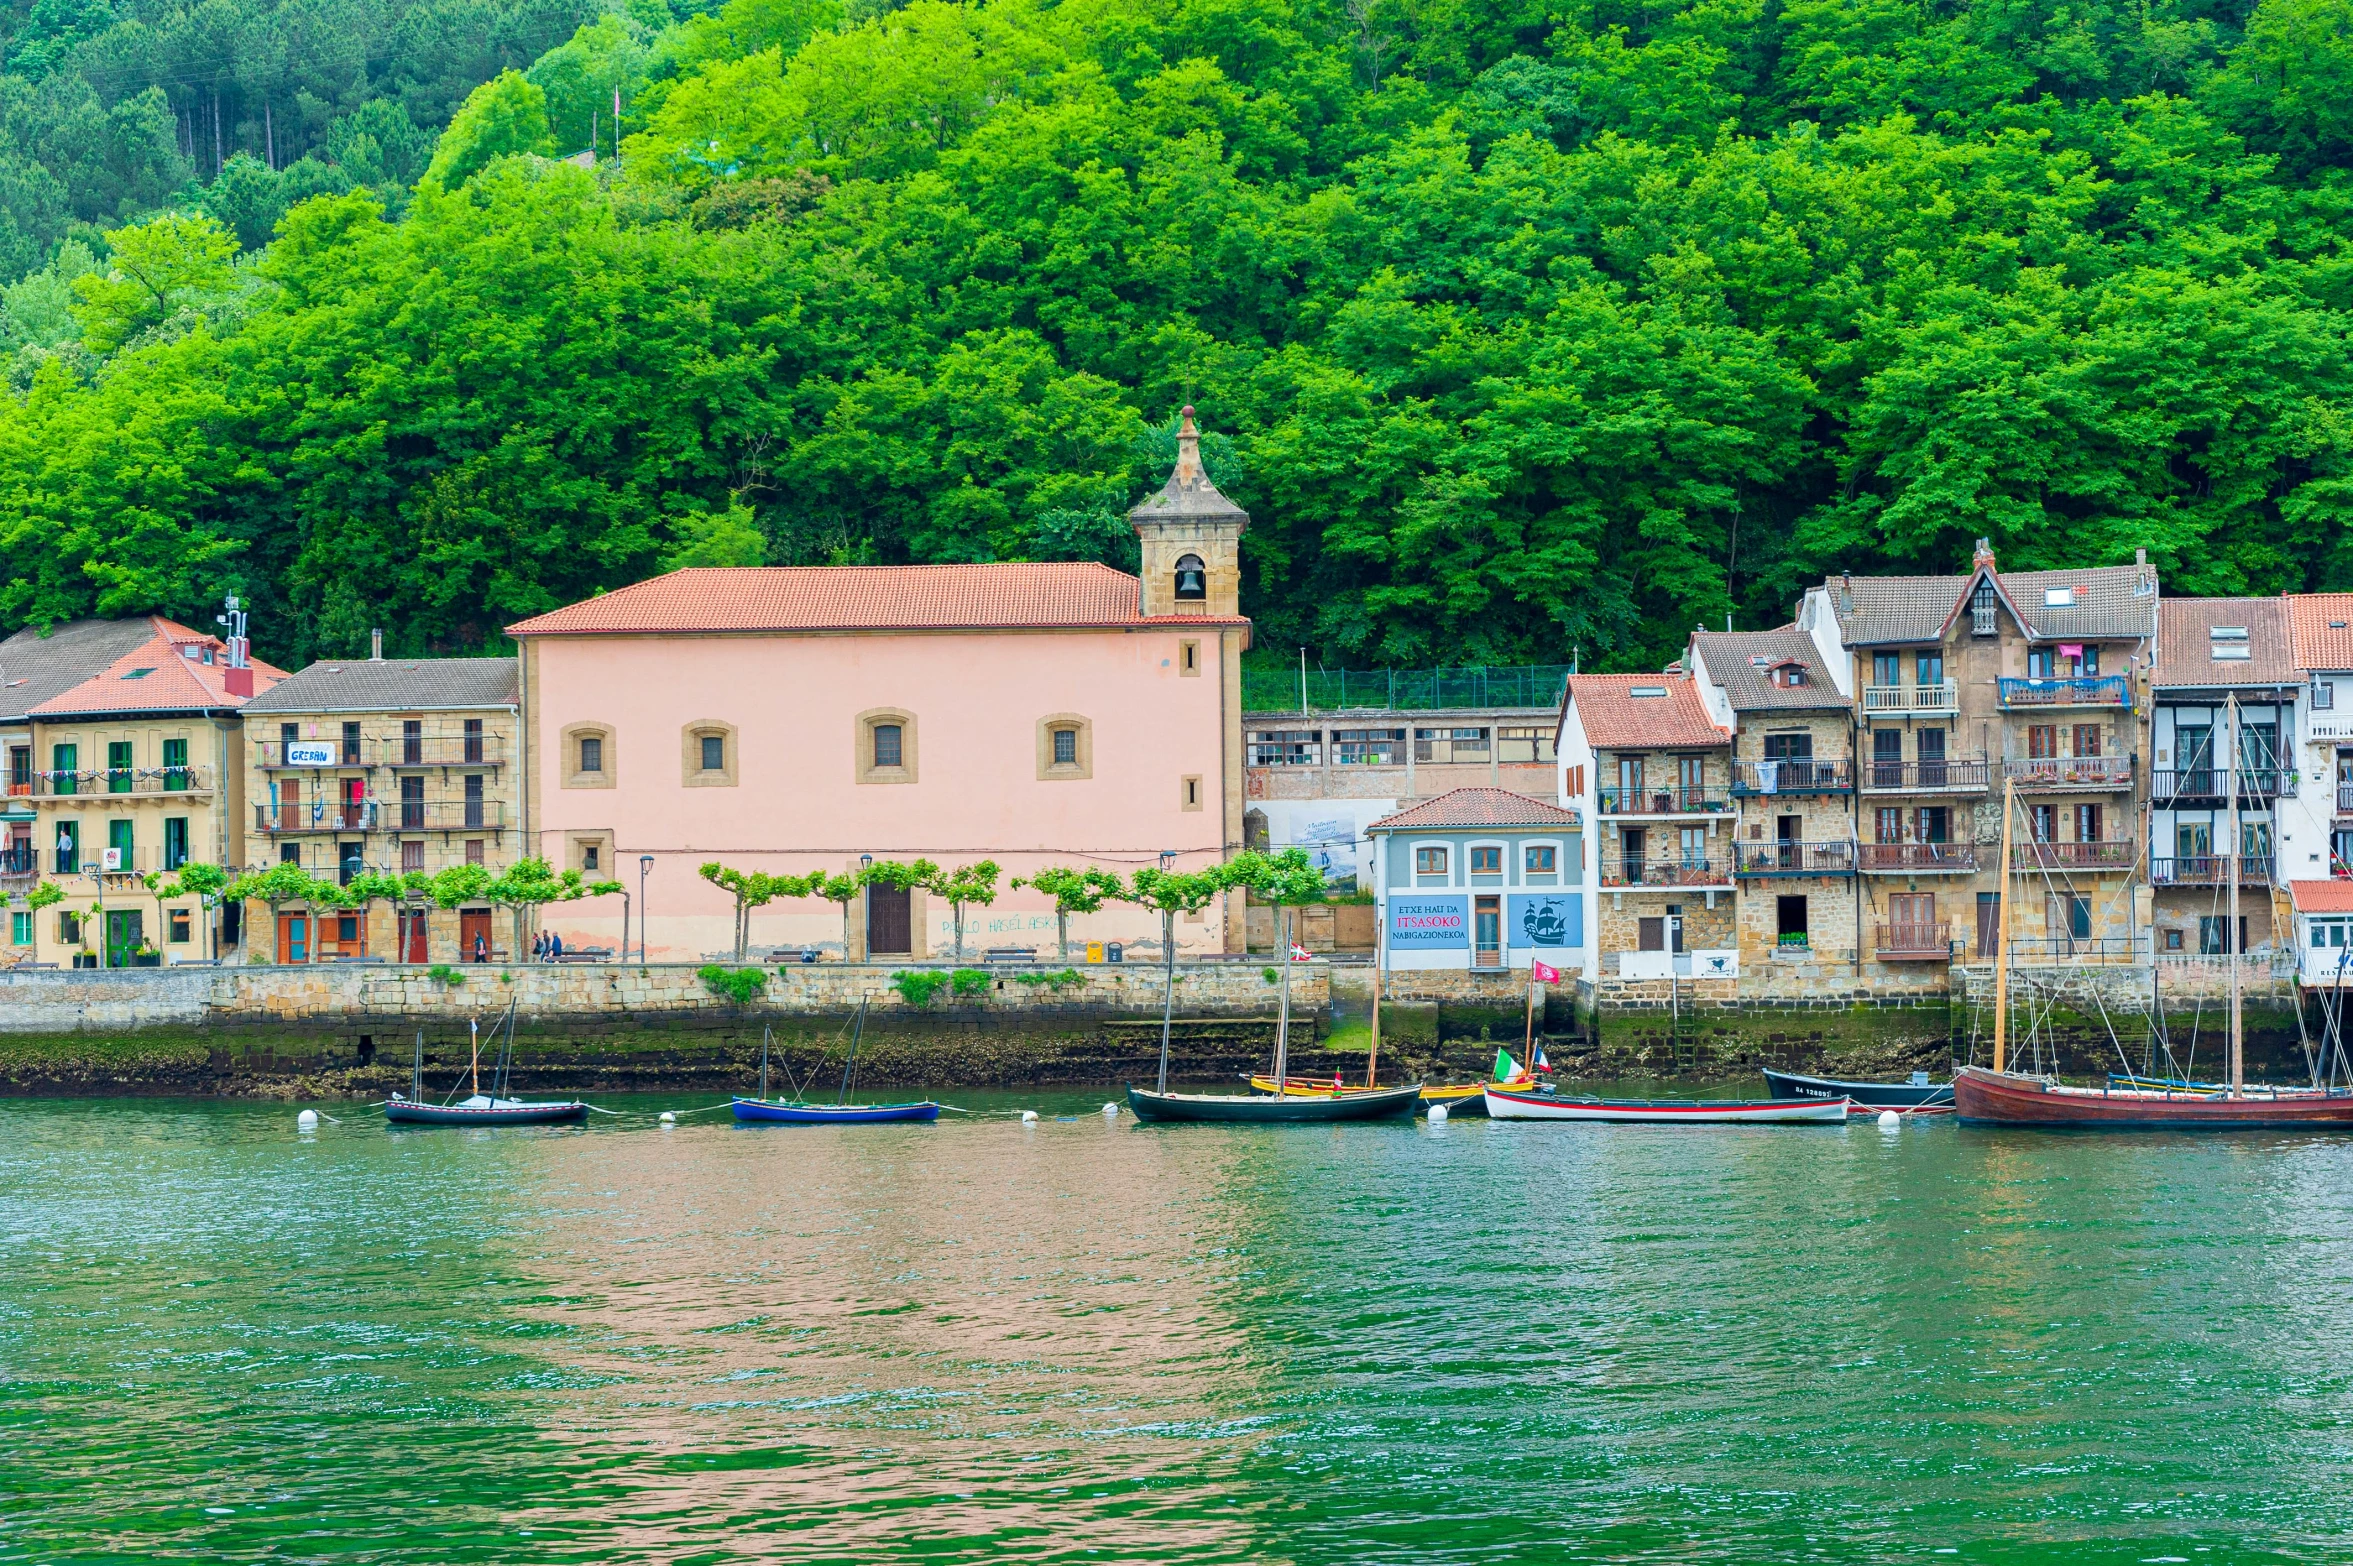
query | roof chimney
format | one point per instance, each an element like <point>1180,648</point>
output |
<point>1846,592</point>
<point>376,645</point>
<point>2140,557</point>
<point>1984,558</point>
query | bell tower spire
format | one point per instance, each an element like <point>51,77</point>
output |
<point>1192,538</point>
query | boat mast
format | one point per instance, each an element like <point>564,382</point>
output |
<point>2230,931</point>
<point>1283,1011</point>
<point>2002,934</point>
<point>474,1068</point>
<point>1372,1064</point>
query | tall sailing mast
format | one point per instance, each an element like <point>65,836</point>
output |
<point>2002,933</point>
<point>2230,931</point>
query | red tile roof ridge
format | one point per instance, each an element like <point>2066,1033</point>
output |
<point>2333,896</point>
<point>1607,710</point>
<point>175,683</point>
<point>1006,595</point>
<point>1477,805</point>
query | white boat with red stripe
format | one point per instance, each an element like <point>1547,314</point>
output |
<point>1510,1104</point>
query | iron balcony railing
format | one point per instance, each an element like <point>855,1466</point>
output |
<point>18,864</point>
<point>2215,783</point>
<point>2345,799</point>
<point>381,815</point>
<point>438,750</point>
<point>1941,696</point>
<point>2104,690</point>
<point>1697,870</point>
<point>1958,775</point>
<point>1779,858</point>
<point>1918,858</point>
<point>1914,942</point>
<point>102,861</point>
<point>2029,857</point>
<point>122,780</point>
<point>2210,870</point>
<point>2071,773</point>
<point>1803,775</point>
<point>1617,801</point>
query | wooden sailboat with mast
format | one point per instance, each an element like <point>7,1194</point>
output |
<point>798,1111</point>
<point>479,1108</point>
<point>2007,1098</point>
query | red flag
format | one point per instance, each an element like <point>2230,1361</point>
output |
<point>1546,974</point>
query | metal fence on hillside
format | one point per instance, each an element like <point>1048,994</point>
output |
<point>1267,688</point>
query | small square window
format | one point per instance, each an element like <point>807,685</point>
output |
<point>473,850</point>
<point>180,926</point>
<point>1429,861</point>
<point>589,855</point>
<point>592,753</point>
<point>2173,940</point>
<point>714,752</point>
<point>886,745</point>
<point>1066,747</point>
<point>1486,861</point>
<point>1540,860</point>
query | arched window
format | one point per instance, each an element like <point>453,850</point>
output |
<point>1192,577</point>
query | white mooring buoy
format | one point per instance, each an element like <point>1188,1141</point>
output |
<point>1889,1120</point>
<point>308,1120</point>
<point>1110,1111</point>
<point>1437,1114</point>
<point>668,1118</point>
<point>1029,1117</point>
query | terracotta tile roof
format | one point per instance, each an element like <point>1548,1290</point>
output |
<point>2322,628</point>
<point>1617,719</point>
<point>1732,660</point>
<point>37,667</point>
<point>2322,897</point>
<point>1477,807</point>
<point>2186,645</point>
<point>159,676</point>
<point>393,685</point>
<point>721,599</point>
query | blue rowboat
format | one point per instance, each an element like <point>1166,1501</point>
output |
<point>774,1111</point>
<point>482,1111</point>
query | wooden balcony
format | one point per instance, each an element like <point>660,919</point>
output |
<point>2210,870</point>
<point>1913,943</point>
<point>2030,857</point>
<point>1918,858</point>
<point>2070,774</point>
<point>1663,801</point>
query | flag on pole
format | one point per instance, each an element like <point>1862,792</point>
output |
<point>1545,973</point>
<point>1542,1064</point>
<point>1506,1068</point>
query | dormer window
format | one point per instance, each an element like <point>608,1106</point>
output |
<point>1981,609</point>
<point>1192,577</point>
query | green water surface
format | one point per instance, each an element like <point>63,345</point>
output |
<point>1091,1340</point>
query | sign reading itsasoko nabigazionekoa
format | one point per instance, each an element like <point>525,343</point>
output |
<point>1429,921</point>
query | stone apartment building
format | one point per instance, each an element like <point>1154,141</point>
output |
<point>2316,824</point>
<point>1650,771</point>
<point>2215,656</point>
<point>1967,686</point>
<point>387,765</point>
<point>1799,921</point>
<point>127,771</point>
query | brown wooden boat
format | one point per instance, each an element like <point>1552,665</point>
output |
<point>2006,1098</point>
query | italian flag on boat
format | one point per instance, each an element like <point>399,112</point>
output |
<point>1506,1068</point>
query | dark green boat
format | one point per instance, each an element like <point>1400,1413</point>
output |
<point>1267,1109</point>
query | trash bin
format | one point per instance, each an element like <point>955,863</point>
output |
<point>1114,952</point>
<point>1094,951</point>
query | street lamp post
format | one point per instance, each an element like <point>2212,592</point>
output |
<point>645,865</point>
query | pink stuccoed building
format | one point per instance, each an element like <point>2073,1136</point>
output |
<point>789,719</point>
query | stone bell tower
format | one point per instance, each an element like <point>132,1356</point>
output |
<point>1192,538</point>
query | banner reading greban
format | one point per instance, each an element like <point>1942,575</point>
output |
<point>1429,921</point>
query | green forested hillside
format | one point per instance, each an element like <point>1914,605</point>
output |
<point>1522,329</point>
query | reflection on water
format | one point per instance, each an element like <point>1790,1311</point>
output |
<point>1091,1340</point>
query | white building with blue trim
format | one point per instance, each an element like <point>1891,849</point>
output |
<point>1480,878</point>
